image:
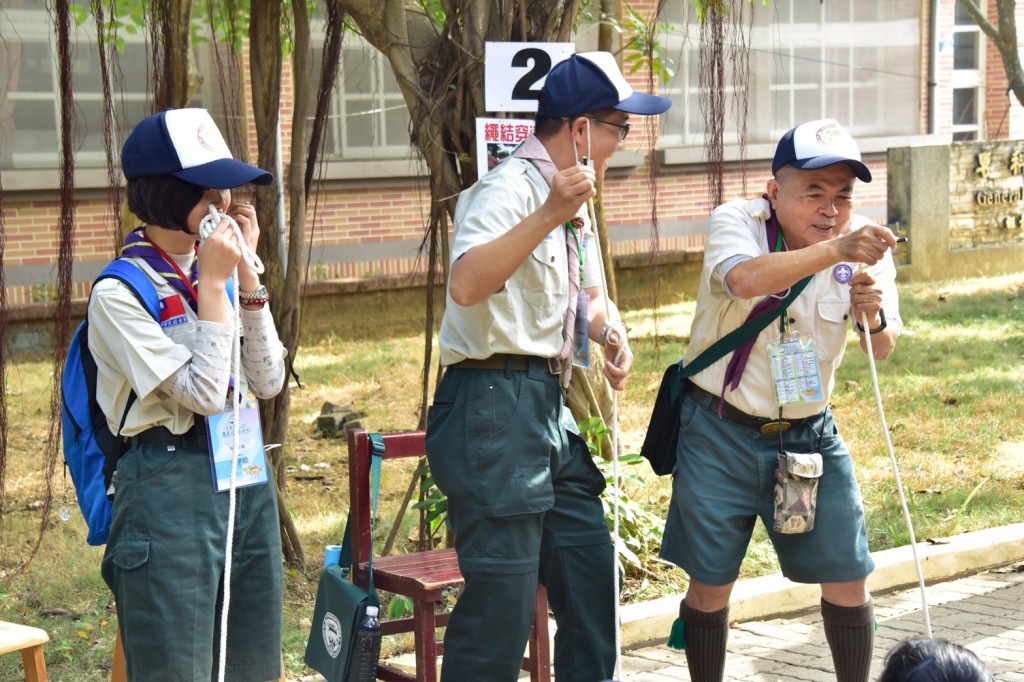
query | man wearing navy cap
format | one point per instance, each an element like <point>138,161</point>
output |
<point>771,397</point>
<point>525,298</point>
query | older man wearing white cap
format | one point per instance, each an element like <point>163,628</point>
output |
<point>757,436</point>
<point>524,301</point>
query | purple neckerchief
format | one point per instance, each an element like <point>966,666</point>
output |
<point>137,245</point>
<point>738,362</point>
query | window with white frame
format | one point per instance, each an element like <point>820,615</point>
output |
<point>855,61</point>
<point>30,94</point>
<point>368,116</point>
<point>967,77</point>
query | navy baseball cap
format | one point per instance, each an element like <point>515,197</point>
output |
<point>817,144</point>
<point>591,81</point>
<point>186,143</point>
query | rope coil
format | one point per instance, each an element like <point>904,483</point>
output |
<point>206,226</point>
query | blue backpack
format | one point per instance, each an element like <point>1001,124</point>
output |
<point>91,451</point>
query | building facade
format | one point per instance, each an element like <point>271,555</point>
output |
<point>896,73</point>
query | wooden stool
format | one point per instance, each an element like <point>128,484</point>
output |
<point>29,641</point>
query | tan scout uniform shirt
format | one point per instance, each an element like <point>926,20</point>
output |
<point>133,352</point>
<point>822,311</point>
<point>527,315</point>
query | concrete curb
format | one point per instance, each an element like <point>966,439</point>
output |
<point>772,596</point>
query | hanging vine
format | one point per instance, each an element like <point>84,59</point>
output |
<point>723,64</point>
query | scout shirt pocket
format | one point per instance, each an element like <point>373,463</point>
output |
<point>544,282</point>
<point>830,332</point>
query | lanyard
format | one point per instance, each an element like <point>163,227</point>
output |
<point>784,318</point>
<point>579,249</point>
<point>170,261</point>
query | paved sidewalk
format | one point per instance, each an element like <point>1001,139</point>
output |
<point>985,613</point>
<point>975,598</point>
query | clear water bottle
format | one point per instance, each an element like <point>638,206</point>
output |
<point>367,649</point>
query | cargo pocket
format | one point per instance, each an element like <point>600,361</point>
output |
<point>126,570</point>
<point>131,553</point>
<point>509,446</point>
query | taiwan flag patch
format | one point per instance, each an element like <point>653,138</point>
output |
<point>172,311</point>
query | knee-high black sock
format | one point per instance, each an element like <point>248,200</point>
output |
<point>706,635</point>
<point>850,632</point>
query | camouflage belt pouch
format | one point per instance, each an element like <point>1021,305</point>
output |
<point>796,492</point>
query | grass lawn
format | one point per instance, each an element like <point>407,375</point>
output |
<point>952,393</point>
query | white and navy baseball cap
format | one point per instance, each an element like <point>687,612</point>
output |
<point>186,143</point>
<point>591,81</point>
<point>817,144</point>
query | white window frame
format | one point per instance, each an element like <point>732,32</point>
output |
<point>380,103</point>
<point>768,79</point>
<point>33,25</point>
<point>970,79</point>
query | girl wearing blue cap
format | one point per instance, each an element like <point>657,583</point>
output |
<point>157,382</point>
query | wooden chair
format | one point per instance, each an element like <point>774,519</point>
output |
<point>29,641</point>
<point>421,576</point>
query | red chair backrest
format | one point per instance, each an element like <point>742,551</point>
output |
<point>397,444</point>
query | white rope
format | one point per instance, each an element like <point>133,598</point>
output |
<point>206,226</point>
<point>212,219</point>
<point>896,474</point>
<point>615,461</point>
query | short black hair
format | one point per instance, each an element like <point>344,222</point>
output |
<point>933,660</point>
<point>163,200</point>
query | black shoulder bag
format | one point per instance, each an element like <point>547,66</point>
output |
<point>662,437</point>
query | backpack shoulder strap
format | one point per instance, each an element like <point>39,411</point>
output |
<point>137,281</point>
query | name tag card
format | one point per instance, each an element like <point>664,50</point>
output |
<point>252,458</point>
<point>794,364</point>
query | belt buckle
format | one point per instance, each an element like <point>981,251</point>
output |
<point>774,428</point>
<point>555,366</point>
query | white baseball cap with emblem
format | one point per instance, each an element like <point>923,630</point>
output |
<point>817,144</point>
<point>186,143</point>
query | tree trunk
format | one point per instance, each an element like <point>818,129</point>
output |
<point>265,73</point>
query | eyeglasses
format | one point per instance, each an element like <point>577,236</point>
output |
<point>623,128</point>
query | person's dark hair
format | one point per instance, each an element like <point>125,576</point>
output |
<point>547,126</point>
<point>163,200</point>
<point>933,660</point>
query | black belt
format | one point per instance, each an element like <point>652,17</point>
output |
<point>507,361</point>
<point>768,427</point>
<point>161,434</point>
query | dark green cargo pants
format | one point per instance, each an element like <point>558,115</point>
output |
<point>523,500</point>
<point>165,564</point>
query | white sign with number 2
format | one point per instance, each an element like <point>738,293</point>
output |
<point>514,73</point>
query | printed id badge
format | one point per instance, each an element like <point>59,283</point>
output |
<point>581,332</point>
<point>794,364</point>
<point>252,458</point>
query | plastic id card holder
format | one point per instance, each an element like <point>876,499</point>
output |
<point>252,459</point>
<point>794,364</point>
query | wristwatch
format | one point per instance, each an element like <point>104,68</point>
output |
<point>880,327</point>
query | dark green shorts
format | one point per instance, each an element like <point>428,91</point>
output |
<point>725,479</point>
